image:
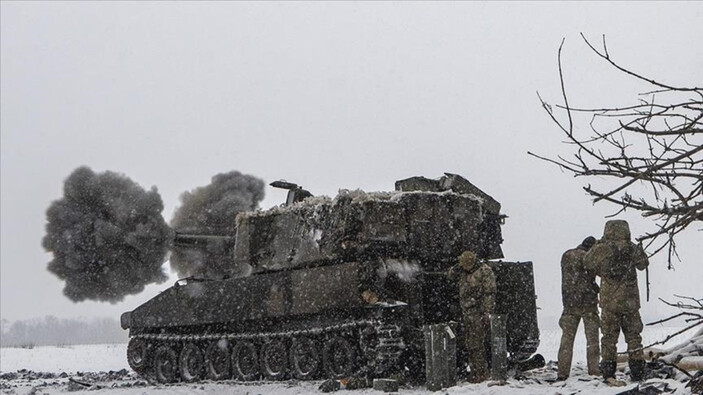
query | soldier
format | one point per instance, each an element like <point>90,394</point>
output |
<point>477,288</point>
<point>579,295</point>
<point>614,258</point>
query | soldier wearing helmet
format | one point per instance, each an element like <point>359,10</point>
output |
<point>477,288</point>
<point>579,294</point>
<point>615,260</point>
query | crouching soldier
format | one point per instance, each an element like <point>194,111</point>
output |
<point>579,294</point>
<point>477,288</point>
<point>614,258</point>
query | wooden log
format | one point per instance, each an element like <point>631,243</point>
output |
<point>691,364</point>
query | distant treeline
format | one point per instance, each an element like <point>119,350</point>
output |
<point>52,331</point>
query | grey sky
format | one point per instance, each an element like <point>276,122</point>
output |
<point>327,95</point>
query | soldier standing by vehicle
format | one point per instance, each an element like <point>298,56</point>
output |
<point>614,258</point>
<point>477,288</point>
<point>579,295</point>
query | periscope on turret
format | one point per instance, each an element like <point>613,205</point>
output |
<point>330,288</point>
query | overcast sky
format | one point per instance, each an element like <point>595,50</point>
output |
<point>327,95</point>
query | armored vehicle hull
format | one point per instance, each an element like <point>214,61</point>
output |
<point>334,288</point>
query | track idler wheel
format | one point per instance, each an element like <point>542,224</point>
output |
<point>304,358</point>
<point>217,360</point>
<point>338,358</point>
<point>165,364</point>
<point>245,361</point>
<point>274,359</point>
<point>191,363</point>
<point>138,355</point>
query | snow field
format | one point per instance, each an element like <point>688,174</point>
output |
<point>69,359</point>
<point>100,358</point>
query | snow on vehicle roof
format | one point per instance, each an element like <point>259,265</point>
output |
<point>357,196</point>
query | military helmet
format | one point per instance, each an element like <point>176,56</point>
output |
<point>467,260</point>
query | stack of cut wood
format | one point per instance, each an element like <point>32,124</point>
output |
<point>687,355</point>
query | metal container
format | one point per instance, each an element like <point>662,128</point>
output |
<point>440,356</point>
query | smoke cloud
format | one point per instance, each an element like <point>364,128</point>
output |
<point>212,210</point>
<point>107,235</point>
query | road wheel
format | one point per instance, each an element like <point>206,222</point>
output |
<point>191,363</point>
<point>274,360</point>
<point>245,361</point>
<point>165,364</point>
<point>138,355</point>
<point>217,360</point>
<point>304,358</point>
<point>338,358</point>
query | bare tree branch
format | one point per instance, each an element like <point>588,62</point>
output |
<point>652,149</point>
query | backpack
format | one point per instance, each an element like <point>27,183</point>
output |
<point>619,266</point>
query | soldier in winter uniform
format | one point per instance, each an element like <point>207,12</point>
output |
<point>579,295</point>
<point>614,258</point>
<point>477,288</point>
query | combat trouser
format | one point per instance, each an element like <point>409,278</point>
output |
<point>569,323</point>
<point>476,331</point>
<point>631,324</point>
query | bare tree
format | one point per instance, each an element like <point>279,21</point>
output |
<point>685,357</point>
<point>651,148</point>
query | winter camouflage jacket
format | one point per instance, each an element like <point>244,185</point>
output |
<point>614,258</point>
<point>477,288</point>
<point>578,285</point>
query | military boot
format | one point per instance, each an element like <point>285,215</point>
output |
<point>613,382</point>
<point>636,369</point>
<point>607,368</point>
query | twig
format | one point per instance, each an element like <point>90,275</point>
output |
<point>673,365</point>
<point>667,124</point>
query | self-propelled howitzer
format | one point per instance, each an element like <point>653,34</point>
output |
<point>329,288</point>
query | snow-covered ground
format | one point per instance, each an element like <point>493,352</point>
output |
<point>101,366</point>
<point>70,359</point>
